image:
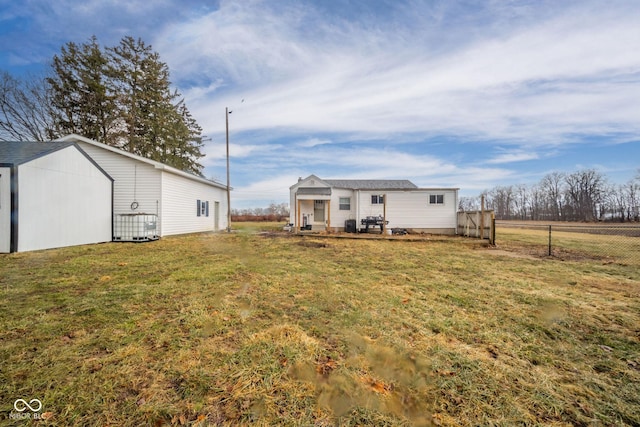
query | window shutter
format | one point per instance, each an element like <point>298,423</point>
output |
<point>206,208</point>
<point>199,207</point>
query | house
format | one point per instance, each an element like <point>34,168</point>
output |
<point>52,195</point>
<point>181,202</point>
<point>331,204</point>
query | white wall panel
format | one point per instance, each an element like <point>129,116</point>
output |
<point>179,205</point>
<point>411,209</point>
<point>134,181</point>
<point>338,217</point>
<point>64,200</point>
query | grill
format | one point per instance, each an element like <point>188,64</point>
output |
<point>373,221</point>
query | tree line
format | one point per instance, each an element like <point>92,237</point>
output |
<point>120,96</point>
<point>275,212</point>
<point>584,195</point>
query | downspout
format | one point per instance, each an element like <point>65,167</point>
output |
<point>456,212</point>
<point>358,209</point>
<point>113,215</point>
<point>383,227</point>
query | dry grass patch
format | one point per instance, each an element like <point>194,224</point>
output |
<point>243,328</point>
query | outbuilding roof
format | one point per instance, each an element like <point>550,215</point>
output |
<point>18,152</point>
<point>372,184</point>
<point>15,153</point>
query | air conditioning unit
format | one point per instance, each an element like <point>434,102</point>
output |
<point>135,227</point>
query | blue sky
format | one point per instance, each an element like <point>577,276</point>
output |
<point>453,93</point>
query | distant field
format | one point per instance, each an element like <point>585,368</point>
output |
<point>606,242</point>
<point>569,223</point>
<point>228,329</point>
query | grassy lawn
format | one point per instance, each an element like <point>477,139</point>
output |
<point>219,329</point>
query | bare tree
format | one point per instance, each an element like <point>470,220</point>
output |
<point>585,190</point>
<point>614,203</point>
<point>26,112</point>
<point>467,204</point>
<point>500,199</point>
<point>521,201</point>
<point>632,194</point>
<point>552,185</point>
<point>536,201</point>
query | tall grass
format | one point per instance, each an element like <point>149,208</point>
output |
<point>249,328</point>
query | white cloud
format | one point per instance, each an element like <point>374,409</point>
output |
<point>312,142</point>
<point>361,91</point>
<point>513,156</point>
<point>532,83</point>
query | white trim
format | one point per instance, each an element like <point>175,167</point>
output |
<point>157,165</point>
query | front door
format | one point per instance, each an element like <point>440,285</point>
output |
<point>216,216</point>
<point>318,211</point>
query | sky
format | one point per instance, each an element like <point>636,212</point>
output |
<point>446,93</point>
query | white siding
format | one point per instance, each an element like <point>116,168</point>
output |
<point>179,205</point>
<point>411,209</point>
<point>134,181</point>
<point>338,217</point>
<point>64,200</point>
<point>306,211</point>
<point>5,210</point>
<point>366,207</point>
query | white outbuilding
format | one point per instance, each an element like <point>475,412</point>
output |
<point>52,195</point>
<point>179,201</point>
<point>75,191</point>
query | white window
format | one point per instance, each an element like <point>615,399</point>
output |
<point>377,199</point>
<point>345,203</point>
<point>436,199</point>
<point>202,208</point>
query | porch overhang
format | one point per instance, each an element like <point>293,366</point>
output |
<point>313,193</point>
<point>310,197</point>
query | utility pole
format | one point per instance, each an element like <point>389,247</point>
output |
<point>481,234</point>
<point>226,113</point>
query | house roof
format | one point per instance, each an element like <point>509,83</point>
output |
<point>17,152</point>
<point>157,165</point>
<point>372,184</point>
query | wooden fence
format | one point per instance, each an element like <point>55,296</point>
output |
<point>478,224</point>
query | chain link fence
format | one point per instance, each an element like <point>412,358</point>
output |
<point>605,242</point>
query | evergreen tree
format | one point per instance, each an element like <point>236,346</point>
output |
<point>158,124</point>
<point>81,94</point>
<point>122,96</point>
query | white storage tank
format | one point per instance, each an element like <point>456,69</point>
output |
<point>135,227</point>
